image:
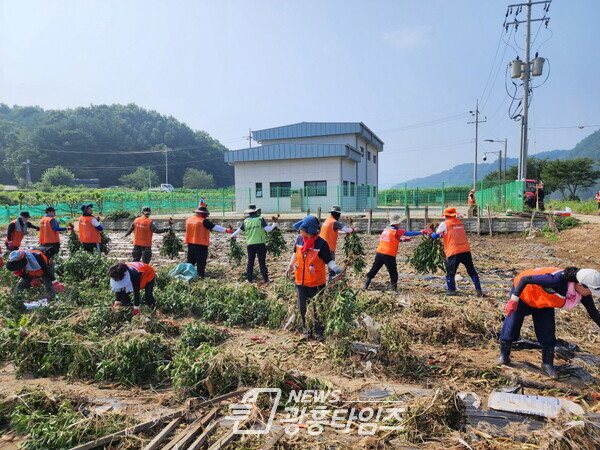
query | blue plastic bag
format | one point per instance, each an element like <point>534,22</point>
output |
<point>184,271</point>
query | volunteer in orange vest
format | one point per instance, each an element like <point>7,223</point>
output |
<point>126,278</point>
<point>331,229</point>
<point>537,292</point>
<point>49,237</point>
<point>197,238</point>
<point>387,250</point>
<point>143,228</point>
<point>457,250</point>
<point>598,201</point>
<point>17,230</point>
<point>89,229</point>
<point>309,264</point>
<point>34,268</point>
<point>472,202</point>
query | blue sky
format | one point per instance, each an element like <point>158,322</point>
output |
<point>225,66</point>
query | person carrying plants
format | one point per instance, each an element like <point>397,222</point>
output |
<point>331,229</point>
<point>538,292</point>
<point>255,227</point>
<point>143,228</point>
<point>308,265</point>
<point>457,250</point>
<point>472,202</point>
<point>89,229</point>
<point>34,268</point>
<point>126,278</point>
<point>17,230</point>
<point>197,238</point>
<point>387,250</point>
<point>49,237</point>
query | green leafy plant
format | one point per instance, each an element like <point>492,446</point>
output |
<point>276,244</point>
<point>236,252</point>
<point>118,214</point>
<point>354,251</point>
<point>171,245</point>
<point>428,256</point>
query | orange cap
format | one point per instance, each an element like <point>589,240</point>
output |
<point>450,212</point>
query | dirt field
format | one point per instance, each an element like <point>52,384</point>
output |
<point>455,338</point>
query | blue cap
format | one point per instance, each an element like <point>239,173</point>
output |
<point>309,223</point>
<point>16,255</point>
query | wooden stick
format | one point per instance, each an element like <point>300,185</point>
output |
<point>271,443</point>
<point>232,436</point>
<point>154,443</point>
<point>184,436</point>
<point>478,221</point>
<point>489,214</point>
<point>201,440</point>
<point>196,403</point>
<point>370,221</point>
<point>407,211</point>
<point>426,217</point>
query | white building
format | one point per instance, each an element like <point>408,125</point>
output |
<point>307,165</point>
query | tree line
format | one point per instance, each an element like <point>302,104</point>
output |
<point>107,142</point>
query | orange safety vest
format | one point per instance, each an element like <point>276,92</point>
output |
<point>47,234</point>
<point>196,232</point>
<point>388,242</point>
<point>455,238</point>
<point>39,272</point>
<point>16,236</point>
<point>142,234</point>
<point>305,260</point>
<point>329,233</point>
<point>537,296</point>
<point>146,270</point>
<point>88,233</point>
<point>472,200</point>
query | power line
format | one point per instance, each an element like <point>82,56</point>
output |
<point>130,167</point>
<point>426,124</point>
<point>134,152</point>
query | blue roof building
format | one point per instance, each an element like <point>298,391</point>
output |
<point>307,165</point>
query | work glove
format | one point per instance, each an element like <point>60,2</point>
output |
<point>405,238</point>
<point>58,287</point>
<point>70,228</point>
<point>426,231</point>
<point>136,310</point>
<point>510,307</point>
<point>353,230</point>
<point>334,267</point>
<point>35,283</point>
<point>229,230</point>
<point>116,304</point>
<point>289,272</point>
<point>1,261</point>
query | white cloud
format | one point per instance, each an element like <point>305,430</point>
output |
<point>408,38</point>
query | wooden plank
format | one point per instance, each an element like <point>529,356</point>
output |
<point>184,437</point>
<point>489,214</point>
<point>201,440</point>
<point>271,442</point>
<point>478,221</point>
<point>193,403</point>
<point>154,443</point>
<point>232,436</point>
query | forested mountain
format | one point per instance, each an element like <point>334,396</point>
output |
<point>462,175</point>
<point>104,142</point>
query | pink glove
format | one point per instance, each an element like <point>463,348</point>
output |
<point>510,307</point>
<point>426,231</point>
<point>229,231</point>
<point>35,283</point>
<point>58,287</point>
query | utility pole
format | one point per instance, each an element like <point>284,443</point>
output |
<point>249,137</point>
<point>166,165</point>
<point>27,168</point>
<point>523,70</point>
<point>476,122</point>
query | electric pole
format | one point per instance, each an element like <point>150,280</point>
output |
<point>476,122</point>
<point>27,165</point>
<point>249,137</point>
<point>523,70</point>
<point>166,165</point>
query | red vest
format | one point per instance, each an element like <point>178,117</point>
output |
<point>329,233</point>
<point>196,232</point>
<point>536,296</point>
<point>88,233</point>
<point>304,263</point>
<point>146,270</point>
<point>455,238</point>
<point>388,242</point>
<point>142,234</point>
<point>47,234</point>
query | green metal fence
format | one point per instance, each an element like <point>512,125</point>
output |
<point>502,197</point>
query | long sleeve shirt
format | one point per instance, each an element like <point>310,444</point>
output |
<point>12,227</point>
<point>558,283</point>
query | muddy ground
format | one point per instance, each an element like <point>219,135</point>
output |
<point>457,357</point>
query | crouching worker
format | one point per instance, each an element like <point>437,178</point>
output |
<point>126,278</point>
<point>537,292</point>
<point>309,265</point>
<point>387,250</point>
<point>34,268</point>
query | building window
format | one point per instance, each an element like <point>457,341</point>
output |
<point>315,188</point>
<point>352,188</point>
<point>362,151</point>
<point>375,158</point>
<point>258,190</point>
<point>369,156</point>
<point>345,191</point>
<point>280,189</point>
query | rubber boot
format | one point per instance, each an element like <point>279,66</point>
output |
<point>548,362</point>
<point>477,284</point>
<point>451,283</point>
<point>394,286</point>
<point>505,348</point>
<point>367,283</point>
